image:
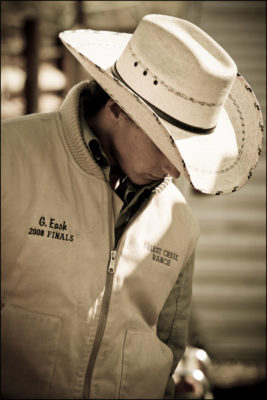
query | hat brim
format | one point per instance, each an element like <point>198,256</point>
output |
<point>215,163</point>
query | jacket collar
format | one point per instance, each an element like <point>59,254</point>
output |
<point>70,118</point>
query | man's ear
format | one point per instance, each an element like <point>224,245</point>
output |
<point>113,111</point>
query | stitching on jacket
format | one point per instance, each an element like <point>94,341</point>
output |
<point>122,358</point>
<point>176,309</point>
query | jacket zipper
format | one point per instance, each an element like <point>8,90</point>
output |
<point>103,316</point>
<point>101,324</point>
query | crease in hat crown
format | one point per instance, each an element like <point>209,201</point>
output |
<point>199,74</point>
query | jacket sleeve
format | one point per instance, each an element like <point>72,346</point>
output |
<point>172,327</point>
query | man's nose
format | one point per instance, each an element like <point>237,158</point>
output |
<point>170,169</point>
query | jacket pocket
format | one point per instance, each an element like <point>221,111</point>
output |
<point>29,343</point>
<point>146,366</point>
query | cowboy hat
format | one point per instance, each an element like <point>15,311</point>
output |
<point>184,91</point>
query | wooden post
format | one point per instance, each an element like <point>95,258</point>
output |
<point>80,20</point>
<point>71,67</point>
<point>32,43</point>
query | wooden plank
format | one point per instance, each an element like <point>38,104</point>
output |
<point>234,267</point>
<point>32,40</point>
<point>223,291</point>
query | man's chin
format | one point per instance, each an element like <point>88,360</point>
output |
<point>139,180</point>
<point>142,180</point>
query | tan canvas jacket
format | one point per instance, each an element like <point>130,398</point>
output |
<point>81,319</point>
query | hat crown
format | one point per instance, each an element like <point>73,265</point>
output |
<point>185,75</point>
<point>178,68</point>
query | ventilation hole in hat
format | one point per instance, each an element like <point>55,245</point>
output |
<point>145,73</point>
<point>155,82</point>
<point>136,63</point>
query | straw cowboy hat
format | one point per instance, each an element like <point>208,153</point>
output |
<point>183,90</point>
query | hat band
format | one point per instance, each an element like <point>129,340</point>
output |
<point>162,114</point>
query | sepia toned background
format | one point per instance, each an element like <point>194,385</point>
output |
<point>228,317</point>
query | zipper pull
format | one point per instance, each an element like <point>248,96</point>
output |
<point>111,265</point>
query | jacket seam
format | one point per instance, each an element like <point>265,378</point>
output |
<point>172,329</point>
<point>122,369</point>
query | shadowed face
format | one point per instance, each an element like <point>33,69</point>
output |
<point>128,147</point>
<point>137,155</point>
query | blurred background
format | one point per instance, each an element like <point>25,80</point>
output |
<point>228,319</point>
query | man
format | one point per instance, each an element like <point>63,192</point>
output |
<point>98,244</point>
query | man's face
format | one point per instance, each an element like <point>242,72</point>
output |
<point>138,157</point>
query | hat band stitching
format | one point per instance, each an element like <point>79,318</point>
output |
<point>170,89</point>
<point>162,114</point>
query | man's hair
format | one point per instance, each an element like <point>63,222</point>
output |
<point>95,98</point>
